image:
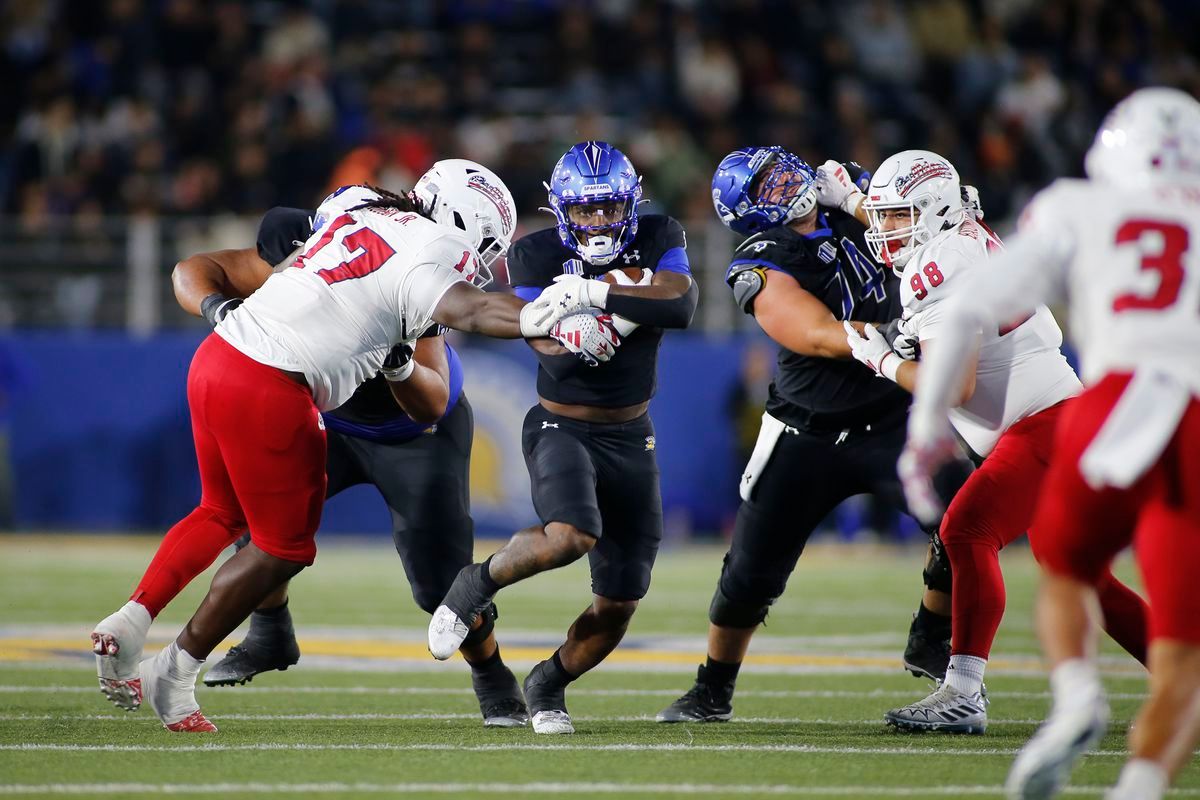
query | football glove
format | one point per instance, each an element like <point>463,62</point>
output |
<point>590,337</point>
<point>930,449</point>
<point>903,343</point>
<point>217,306</point>
<point>835,189</point>
<point>970,201</point>
<point>569,294</point>
<point>399,365</point>
<point>871,349</point>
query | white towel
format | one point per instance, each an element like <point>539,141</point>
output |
<point>768,436</point>
<point>1137,430</point>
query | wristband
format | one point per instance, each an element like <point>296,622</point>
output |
<point>888,369</point>
<point>399,374</point>
<point>216,306</point>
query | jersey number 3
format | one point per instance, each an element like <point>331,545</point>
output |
<point>1167,262</point>
<point>366,252</point>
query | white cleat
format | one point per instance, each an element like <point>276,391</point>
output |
<point>117,643</point>
<point>552,722</point>
<point>173,697</point>
<point>446,633</point>
<point>1044,764</point>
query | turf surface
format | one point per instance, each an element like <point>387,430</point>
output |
<point>367,712</point>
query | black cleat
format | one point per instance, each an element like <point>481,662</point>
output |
<point>500,698</point>
<point>245,660</point>
<point>926,656</point>
<point>547,700</point>
<point>702,703</point>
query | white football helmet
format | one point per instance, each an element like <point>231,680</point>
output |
<point>1152,136</point>
<point>922,183</point>
<point>471,198</point>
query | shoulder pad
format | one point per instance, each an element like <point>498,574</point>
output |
<point>747,281</point>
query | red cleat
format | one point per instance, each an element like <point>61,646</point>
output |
<point>195,722</point>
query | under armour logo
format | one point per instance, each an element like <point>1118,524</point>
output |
<point>549,425</point>
<point>632,256</point>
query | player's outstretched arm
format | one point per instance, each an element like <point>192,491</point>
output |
<point>797,320</point>
<point>419,377</point>
<point>217,277</point>
<point>468,308</point>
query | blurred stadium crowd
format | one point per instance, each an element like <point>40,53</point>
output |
<point>189,107</point>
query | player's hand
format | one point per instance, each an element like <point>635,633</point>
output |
<point>590,337</point>
<point>835,189</point>
<point>930,448</point>
<point>399,364</point>
<point>904,344</point>
<point>970,201</point>
<point>871,349</point>
<point>216,307</point>
<point>569,294</point>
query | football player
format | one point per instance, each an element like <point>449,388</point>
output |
<point>1011,398</point>
<point>589,443</point>
<point>1120,246</point>
<point>371,276</point>
<point>407,432</point>
<point>830,430</point>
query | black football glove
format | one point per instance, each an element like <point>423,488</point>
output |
<point>217,306</point>
<point>903,344</point>
<point>399,364</point>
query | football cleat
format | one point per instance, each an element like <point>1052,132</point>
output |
<point>552,722</point>
<point>926,656</point>
<point>461,606</point>
<point>702,703</point>
<point>245,660</point>
<point>1044,764</point>
<point>117,643</point>
<point>500,698</point>
<point>173,697</point>
<point>946,709</point>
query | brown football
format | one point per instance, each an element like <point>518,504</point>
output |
<point>634,274</point>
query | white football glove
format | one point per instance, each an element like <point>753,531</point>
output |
<point>835,189</point>
<point>929,448</point>
<point>590,337</point>
<point>872,350</point>
<point>569,294</point>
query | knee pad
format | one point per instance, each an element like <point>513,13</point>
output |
<point>937,573</point>
<point>242,541</point>
<point>478,635</point>
<point>733,614</point>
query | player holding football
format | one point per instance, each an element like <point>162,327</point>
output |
<point>370,277</point>
<point>1126,461</point>
<point>407,432</point>
<point>1012,395</point>
<point>830,430</point>
<point>589,443</point>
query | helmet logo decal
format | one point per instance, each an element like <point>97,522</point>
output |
<point>592,154</point>
<point>922,171</point>
<point>480,184</point>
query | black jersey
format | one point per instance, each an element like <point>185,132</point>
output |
<point>832,264</point>
<point>371,412</point>
<point>631,376</point>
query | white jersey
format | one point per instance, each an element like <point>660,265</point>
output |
<point>1021,369</point>
<point>1130,262</point>
<point>365,281</point>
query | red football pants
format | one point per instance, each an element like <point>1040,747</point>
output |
<point>1081,530</point>
<point>261,451</point>
<point>994,507</point>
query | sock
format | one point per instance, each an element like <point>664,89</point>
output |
<point>489,664</point>
<point>719,674</point>
<point>137,616</point>
<point>559,671</point>
<point>1141,779</point>
<point>271,623</point>
<point>977,595</point>
<point>965,673</point>
<point>485,577</point>
<point>174,693</point>
<point>188,549</point>
<point>1074,682</point>
<point>932,625</point>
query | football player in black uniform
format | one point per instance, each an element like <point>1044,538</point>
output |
<point>828,432</point>
<point>589,443</point>
<point>407,432</point>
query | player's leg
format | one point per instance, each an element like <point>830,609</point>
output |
<point>563,482</point>
<point>270,643</point>
<point>993,507</point>
<point>273,430</point>
<point>801,483</point>
<point>187,550</point>
<point>1167,728</point>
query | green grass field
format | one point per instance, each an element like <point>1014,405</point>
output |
<point>367,711</point>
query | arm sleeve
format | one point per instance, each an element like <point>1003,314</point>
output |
<point>676,312</point>
<point>280,230</point>
<point>1030,272</point>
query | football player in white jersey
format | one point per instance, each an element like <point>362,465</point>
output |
<point>376,272</point>
<point>1122,246</point>
<point>1012,393</point>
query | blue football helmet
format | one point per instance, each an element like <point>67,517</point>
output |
<point>594,193</point>
<point>748,203</point>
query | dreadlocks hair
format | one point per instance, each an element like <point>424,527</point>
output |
<point>401,202</point>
